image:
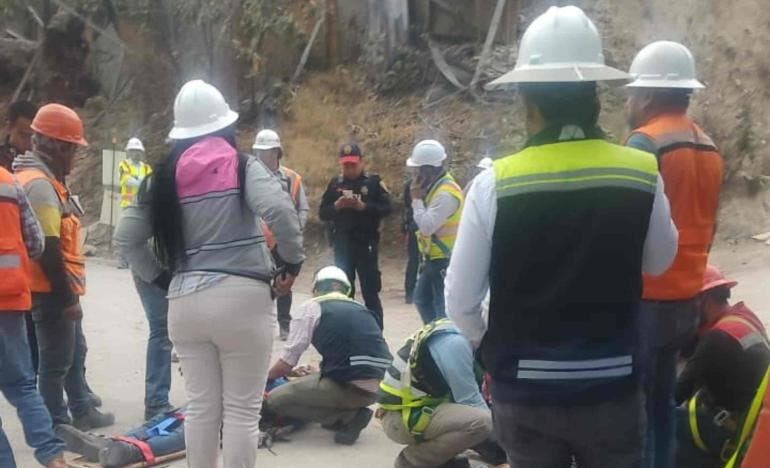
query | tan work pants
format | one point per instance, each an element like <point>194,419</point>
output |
<point>452,429</point>
<point>223,335</point>
<point>315,399</point>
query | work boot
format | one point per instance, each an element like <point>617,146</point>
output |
<point>349,432</point>
<point>93,419</point>
<point>81,442</point>
<point>96,400</point>
<point>117,453</point>
<point>150,413</point>
<point>457,462</point>
<point>491,452</point>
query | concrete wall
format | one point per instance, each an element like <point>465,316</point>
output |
<point>372,29</point>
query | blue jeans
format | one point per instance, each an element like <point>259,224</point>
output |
<point>17,382</point>
<point>665,328</point>
<point>62,352</point>
<point>157,380</point>
<point>429,292</point>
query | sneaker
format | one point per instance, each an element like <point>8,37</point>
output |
<point>93,419</point>
<point>117,453</point>
<point>150,413</point>
<point>81,442</point>
<point>349,432</point>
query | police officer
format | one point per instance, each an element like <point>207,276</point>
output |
<point>354,202</point>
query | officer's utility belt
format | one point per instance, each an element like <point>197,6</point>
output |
<point>728,421</point>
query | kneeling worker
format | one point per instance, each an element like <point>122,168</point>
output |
<point>436,409</point>
<point>354,359</point>
<point>721,379</point>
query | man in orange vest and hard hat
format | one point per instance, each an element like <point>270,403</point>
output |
<point>721,378</point>
<point>691,167</point>
<point>20,238</point>
<point>58,276</point>
<point>267,147</point>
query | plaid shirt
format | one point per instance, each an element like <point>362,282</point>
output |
<point>30,227</point>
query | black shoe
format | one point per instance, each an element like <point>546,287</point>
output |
<point>490,452</point>
<point>150,413</point>
<point>118,453</point>
<point>81,442</point>
<point>96,400</point>
<point>93,419</point>
<point>349,432</point>
<point>457,462</point>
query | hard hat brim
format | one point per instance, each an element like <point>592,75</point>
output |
<point>560,73</point>
<point>411,163</point>
<point>182,133</point>
<point>729,284</point>
<point>266,147</point>
<point>666,84</point>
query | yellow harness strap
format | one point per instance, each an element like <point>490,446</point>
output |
<point>692,409</point>
<point>750,421</point>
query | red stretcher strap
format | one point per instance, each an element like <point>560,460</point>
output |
<point>143,447</point>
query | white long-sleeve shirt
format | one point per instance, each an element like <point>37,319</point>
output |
<point>430,219</point>
<point>467,278</point>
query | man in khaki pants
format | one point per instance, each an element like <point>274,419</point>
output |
<point>436,409</point>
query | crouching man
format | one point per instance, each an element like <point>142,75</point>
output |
<point>354,359</point>
<point>717,386</point>
<point>430,400</point>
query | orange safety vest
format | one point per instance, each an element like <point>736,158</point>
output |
<point>294,182</point>
<point>691,168</point>
<point>69,239</point>
<point>14,281</point>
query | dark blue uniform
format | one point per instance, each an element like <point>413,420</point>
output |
<point>356,233</point>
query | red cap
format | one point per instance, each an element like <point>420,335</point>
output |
<point>350,154</point>
<point>713,278</point>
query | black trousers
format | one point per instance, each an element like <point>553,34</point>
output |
<point>412,263</point>
<point>361,257</point>
<point>283,304</point>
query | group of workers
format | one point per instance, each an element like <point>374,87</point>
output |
<point>558,291</point>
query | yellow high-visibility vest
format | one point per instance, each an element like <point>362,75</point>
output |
<point>128,170</point>
<point>439,244</point>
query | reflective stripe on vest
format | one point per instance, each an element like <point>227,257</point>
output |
<point>585,369</point>
<point>745,332</point>
<point>294,181</point>
<point>130,170</point>
<point>397,388</point>
<point>440,243</point>
<point>14,279</point>
<point>691,168</point>
<point>753,448</point>
<point>69,239</point>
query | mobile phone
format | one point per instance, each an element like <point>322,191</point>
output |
<point>347,193</point>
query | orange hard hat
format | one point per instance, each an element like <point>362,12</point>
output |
<point>60,123</point>
<point>713,278</point>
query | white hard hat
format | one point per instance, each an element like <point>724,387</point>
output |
<point>332,273</point>
<point>561,45</point>
<point>200,109</point>
<point>427,153</point>
<point>664,64</point>
<point>134,144</point>
<point>267,139</point>
<point>485,163</point>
